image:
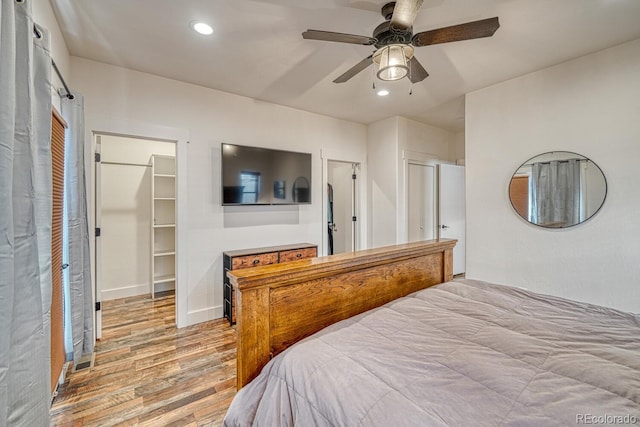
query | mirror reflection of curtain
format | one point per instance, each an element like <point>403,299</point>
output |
<point>555,193</point>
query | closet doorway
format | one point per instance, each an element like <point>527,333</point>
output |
<point>135,218</point>
<point>342,216</point>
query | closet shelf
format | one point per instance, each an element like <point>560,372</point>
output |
<point>164,253</point>
<point>164,279</point>
<point>163,231</point>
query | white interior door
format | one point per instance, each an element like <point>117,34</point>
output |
<point>339,177</point>
<point>421,202</point>
<point>451,206</point>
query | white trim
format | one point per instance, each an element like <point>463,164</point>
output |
<point>60,381</point>
<point>125,292</point>
<point>402,219</point>
<point>361,205</point>
<point>204,314</point>
<point>135,290</point>
<point>161,133</point>
<point>97,242</point>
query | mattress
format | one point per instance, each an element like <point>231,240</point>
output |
<point>460,353</point>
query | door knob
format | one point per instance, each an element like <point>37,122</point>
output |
<point>444,227</point>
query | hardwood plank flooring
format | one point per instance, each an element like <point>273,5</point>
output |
<point>149,373</point>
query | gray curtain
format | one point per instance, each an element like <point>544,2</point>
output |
<point>555,190</point>
<point>76,231</point>
<point>25,218</point>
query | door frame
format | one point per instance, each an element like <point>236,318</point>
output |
<point>158,133</point>
<point>361,223</point>
<point>460,249</point>
<point>355,168</point>
<point>97,242</point>
<point>418,158</point>
<point>434,201</point>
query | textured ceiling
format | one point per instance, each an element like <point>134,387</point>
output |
<point>257,49</point>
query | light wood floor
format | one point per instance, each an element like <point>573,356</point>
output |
<point>147,372</point>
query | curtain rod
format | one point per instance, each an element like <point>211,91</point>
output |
<point>559,161</point>
<point>55,67</point>
<point>38,34</point>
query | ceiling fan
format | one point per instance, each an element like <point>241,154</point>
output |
<point>395,41</point>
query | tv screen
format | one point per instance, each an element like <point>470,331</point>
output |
<point>262,176</point>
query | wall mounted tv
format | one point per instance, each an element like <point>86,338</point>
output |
<point>262,176</point>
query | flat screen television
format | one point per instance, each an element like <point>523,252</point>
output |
<point>262,176</point>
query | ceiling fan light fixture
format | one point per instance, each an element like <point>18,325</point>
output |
<point>392,61</point>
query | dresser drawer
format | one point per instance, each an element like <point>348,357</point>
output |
<point>246,258</point>
<point>254,260</point>
<point>297,254</point>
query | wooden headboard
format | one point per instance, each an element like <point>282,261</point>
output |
<point>278,305</point>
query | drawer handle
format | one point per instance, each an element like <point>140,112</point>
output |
<point>298,255</point>
<point>256,261</point>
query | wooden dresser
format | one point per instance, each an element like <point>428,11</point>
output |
<point>245,258</point>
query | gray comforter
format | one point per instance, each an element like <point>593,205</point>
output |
<point>463,353</point>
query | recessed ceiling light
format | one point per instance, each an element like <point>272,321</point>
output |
<point>202,28</point>
<point>383,92</point>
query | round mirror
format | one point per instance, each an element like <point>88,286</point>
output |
<point>558,189</point>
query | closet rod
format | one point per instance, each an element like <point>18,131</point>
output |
<point>38,34</point>
<point>126,164</point>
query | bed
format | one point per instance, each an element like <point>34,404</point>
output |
<point>459,352</point>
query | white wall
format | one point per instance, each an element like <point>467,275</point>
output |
<point>417,141</point>
<point>457,148</point>
<point>591,106</point>
<point>43,15</point>
<point>391,144</point>
<point>129,102</point>
<point>420,137</point>
<point>382,182</point>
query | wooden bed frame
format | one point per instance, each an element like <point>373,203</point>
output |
<point>278,305</point>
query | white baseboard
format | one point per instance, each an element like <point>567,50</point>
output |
<point>60,381</point>
<point>162,287</point>
<point>203,315</point>
<point>126,291</point>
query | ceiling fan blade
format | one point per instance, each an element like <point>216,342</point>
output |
<point>454,33</point>
<point>330,36</point>
<point>417,73</point>
<point>355,69</point>
<point>404,13</point>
